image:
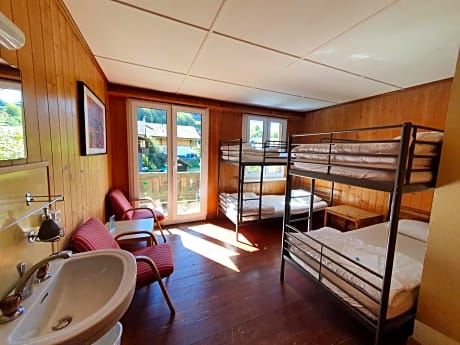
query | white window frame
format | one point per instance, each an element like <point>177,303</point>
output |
<point>267,121</point>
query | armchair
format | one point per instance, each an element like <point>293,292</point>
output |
<point>125,210</point>
<point>153,262</point>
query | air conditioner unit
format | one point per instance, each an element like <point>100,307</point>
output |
<point>11,37</point>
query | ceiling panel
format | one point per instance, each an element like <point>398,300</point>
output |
<point>241,94</point>
<point>196,12</point>
<point>409,43</point>
<point>215,90</point>
<point>135,36</point>
<point>139,76</point>
<point>308,79</point>
<point>293,26</point>
<point>283,101</point>
<point>233,61</point>
<point>294,54</point>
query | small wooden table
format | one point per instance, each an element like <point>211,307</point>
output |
<point>346,217</point>
<point>123,226</point>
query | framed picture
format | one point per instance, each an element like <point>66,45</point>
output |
<point>93,130</point>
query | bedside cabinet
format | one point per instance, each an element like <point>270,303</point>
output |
<point>346,217</point>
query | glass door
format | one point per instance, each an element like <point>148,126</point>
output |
<point>169,158</point>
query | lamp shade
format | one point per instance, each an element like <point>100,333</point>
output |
<point>49,230</point>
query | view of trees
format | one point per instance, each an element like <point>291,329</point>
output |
<point>10,114</point>
<point>159,116</point>
<point>11,131</point>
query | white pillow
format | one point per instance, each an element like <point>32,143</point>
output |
<point>414,228</point>
<point>246,195</point>
<point>300,193</point>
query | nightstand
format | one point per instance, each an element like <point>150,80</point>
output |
<point>346,217</point>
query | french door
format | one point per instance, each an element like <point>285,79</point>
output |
<point>169,158</point>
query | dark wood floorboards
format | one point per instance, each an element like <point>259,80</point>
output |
<point>217,305</point>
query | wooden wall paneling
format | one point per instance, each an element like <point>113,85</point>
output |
<point>57,124</point>
<point>37,43</point>
<point>118,142</point>
<point>68,130</point>
<point>49,114</point>
<point>21,18</point>
<point>424,104</point>
<point>9,56</point>
<point>72,126</point>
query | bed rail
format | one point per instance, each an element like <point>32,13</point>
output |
<point>369,157</point>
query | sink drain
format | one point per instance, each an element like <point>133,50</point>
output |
<point>61,323</point>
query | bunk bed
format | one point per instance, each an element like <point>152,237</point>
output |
<point>242,206</point>
<point>374,271</point>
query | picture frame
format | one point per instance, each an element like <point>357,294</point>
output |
<point>93,128</point>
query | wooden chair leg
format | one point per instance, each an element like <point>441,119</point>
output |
<point>166,296</point>
<point>159,227</point>
<point>157,275</point>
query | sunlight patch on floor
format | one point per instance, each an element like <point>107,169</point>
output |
<point>226,236</point>
<point>209,250</point>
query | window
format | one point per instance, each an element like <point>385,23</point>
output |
<point>259,130</point>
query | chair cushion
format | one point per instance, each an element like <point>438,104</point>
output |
<point>92,235</point>
<point>161,254</point>
<point>119,203</point>
<point>142,214</point>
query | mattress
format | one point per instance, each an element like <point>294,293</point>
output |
<point>360,160</point>
<point>252,154</point>
<point>363,173</point>
<point>362,255</point>
<point>273,206</point>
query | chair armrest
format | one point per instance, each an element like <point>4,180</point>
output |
<point>138,208</point>
<point>145,198</point>
<point>153,216</point>
<point>150,262</point>
<point>152,238</point>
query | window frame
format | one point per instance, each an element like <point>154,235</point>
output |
<point>267,121</point>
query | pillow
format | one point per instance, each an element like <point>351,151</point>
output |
<point>414,228</point>
<point>246,195</point>
<point>300,193</point>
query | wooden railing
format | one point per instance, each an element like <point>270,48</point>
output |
<point>155,185</point>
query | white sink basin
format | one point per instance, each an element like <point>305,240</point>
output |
<point>86,295</point>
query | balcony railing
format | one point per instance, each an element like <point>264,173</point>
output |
<point>155,186</point>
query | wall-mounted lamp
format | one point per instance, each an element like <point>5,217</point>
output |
<point>11,37</point>
<point>49,231</point>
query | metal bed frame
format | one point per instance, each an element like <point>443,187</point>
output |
<point>319,271</point>
<point>266,160</point>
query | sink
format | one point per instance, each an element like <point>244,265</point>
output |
<point>85,297</point>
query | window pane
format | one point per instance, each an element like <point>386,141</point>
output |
<point>276,131</point>
<point>256,131</point>
<point>189,128</point>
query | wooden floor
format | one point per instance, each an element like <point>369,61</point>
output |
<point>240,300</point>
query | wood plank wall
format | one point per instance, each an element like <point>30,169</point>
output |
<point>225,122</point>
<point>424,105</point>
<point>53,59</point>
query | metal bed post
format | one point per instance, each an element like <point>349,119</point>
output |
<point>394,218</point>
<point>241,168</point>
<point>287,207</point>
<point>310,212</point>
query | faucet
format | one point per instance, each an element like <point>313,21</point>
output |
<point>9,305</point>
<point>22,282</point>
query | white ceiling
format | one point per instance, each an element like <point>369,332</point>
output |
<point>291,54</point>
